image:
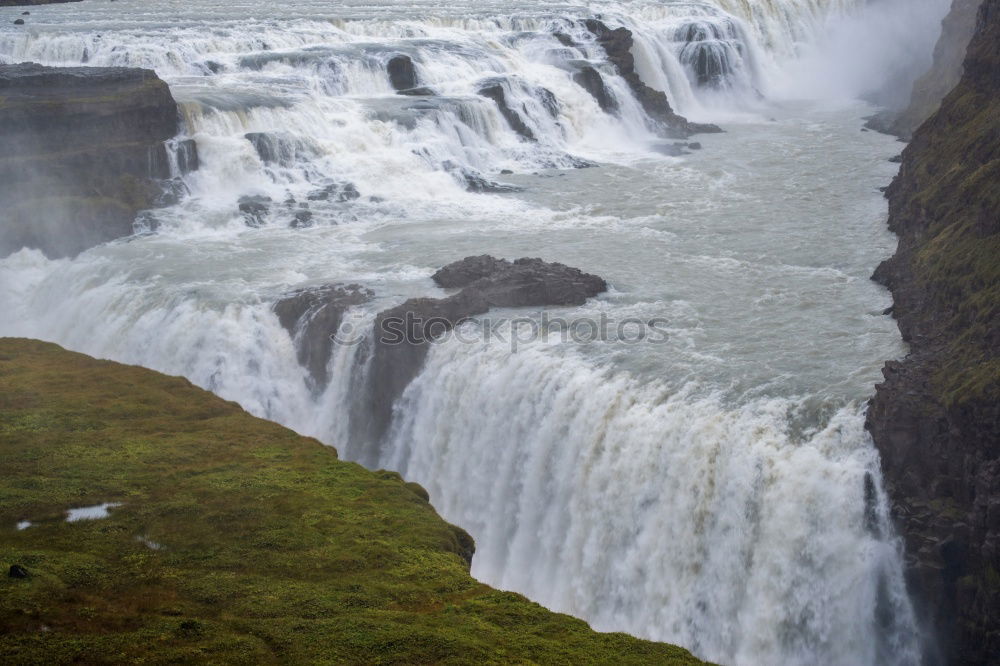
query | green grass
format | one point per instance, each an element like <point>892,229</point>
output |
<point>271,549</point>
<point>951,199</point>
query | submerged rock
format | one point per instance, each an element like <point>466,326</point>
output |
<point>82,150</point>
<point>254,209</point>
<point>340,192</point>
<point>312,316</point>
<point>418,92</point>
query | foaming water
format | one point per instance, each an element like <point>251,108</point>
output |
<point>716,489</point>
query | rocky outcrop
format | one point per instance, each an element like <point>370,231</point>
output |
<point>617,44</point>
<point>591,80</point>
<point>495,91</point>
<point>81,150</point>
<point>936,418</point>
<point>402,73</point>
<point>403,334</point>
<point>313,317</point>
<point>930,89</point>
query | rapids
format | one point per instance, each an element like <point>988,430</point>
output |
<point>715,488</point>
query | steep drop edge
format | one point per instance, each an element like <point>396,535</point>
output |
<point>232,539</point>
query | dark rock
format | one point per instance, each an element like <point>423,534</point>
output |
<point>694,145</point>
<point>564,39</point>
<point>403,334</point>
<point>465,272</point>
<point>476,182</point>
<point>402,73</point>
<point>25,13</point>
<point>187,156</point>
<point>617,44</point>
<point>671,149</point>
<point>19,22</point>
<point>898,159</point>
<point>506,172</point>
<point>302,219</point>
<point>418,92</point>
<point>17,571</point>
<point>81,152</point>
<point>278,148</point>
<point>254,209</point>
<point>591,80</point>
<point>340,192</point>
<point>496,93</point>
<point>312,316</point>
<point>936,418</point>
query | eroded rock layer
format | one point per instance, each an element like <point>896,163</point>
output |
<point>80,151</point>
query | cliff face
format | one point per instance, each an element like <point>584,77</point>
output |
<point>229,539</point>
<point>949,53</point>
<point>936,418</point>
<point>944,74</point>
<point>80,149</point>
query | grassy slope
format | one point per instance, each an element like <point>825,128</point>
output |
<point>946,206</point>
<point>272,550</point>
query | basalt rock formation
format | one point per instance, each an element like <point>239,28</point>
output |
<point>403,334</point>
<point>617,44</point>
<point>936,418</point>
<point>313,316</point>
<point>81,149</point>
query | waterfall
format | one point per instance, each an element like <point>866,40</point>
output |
<point>719,491</point>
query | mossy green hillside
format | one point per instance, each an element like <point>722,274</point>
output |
<point>236,540</point>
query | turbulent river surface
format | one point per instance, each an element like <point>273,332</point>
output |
<point>712,487</point>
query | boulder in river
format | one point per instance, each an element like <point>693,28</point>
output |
<point>402,73</point>
<point>403,333</point>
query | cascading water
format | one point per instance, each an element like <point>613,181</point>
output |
<point>715,489</point>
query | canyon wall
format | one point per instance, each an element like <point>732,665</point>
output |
<point>81,149</point>
<point>936,418</point>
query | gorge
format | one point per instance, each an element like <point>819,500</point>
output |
<point>719,486</point>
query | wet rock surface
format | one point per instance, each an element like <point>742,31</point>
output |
<point>617,44</point>
<point>402,73</point>
<point>936,417</point>
<point>312,316</point>
<point>591,80</point>
<point>496,92</point>
<point>81,152</point>
<point>403,333</point>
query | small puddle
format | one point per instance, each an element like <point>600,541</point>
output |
<point>90,512</point>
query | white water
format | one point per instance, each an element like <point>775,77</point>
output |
<point>709,490</point>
